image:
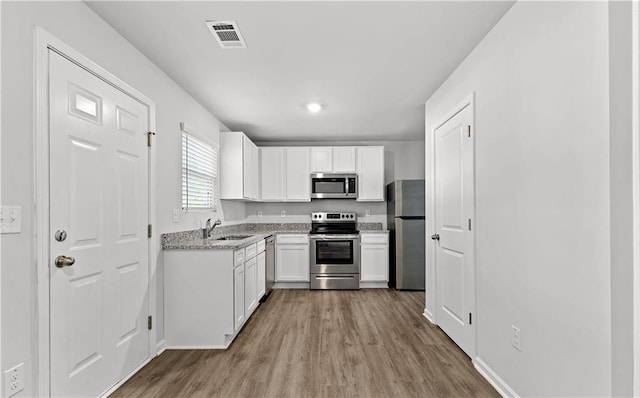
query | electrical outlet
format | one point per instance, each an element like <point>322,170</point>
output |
<point>367,213</point>
<point>176,215</point>
<point>259,214</point>
<point>283,213</point>
<point>10,219</point>
<point>14,380</point>
<point>516,338</point>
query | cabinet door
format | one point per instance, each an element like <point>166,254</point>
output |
<point>261,275</point>
<point>255,170</point>
<point>321,159</point>
<point>374,263</point>
<point>247,167</point>
<point>292,263</point>
<point>298,183</point>
<point>344,159</point>
<point>272,174</point>
<point>238,297</point>
<point>370,169</point>
<point>250,287</point>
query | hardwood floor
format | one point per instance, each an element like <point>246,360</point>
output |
<point>302,343</point>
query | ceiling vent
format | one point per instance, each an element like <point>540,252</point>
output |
<point>227,34</point>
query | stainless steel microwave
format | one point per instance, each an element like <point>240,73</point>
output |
<point>334,186</point>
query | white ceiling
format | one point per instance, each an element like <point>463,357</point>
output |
<point>373,64</point>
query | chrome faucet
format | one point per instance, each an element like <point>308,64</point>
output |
<point>206,231</point>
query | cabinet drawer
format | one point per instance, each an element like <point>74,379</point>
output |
<point>238,257</point>
<point>297,238</point>
<point>249,252</point>
<point>260,246</point>
<point>374,238</point>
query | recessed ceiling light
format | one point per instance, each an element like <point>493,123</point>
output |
<point>314,107</point>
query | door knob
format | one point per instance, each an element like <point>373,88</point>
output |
<point>64,261</point>
<point>435,236</point>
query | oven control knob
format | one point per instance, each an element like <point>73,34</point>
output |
<point>351,216</point>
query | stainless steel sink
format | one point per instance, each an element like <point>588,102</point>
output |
<point>235,237</point>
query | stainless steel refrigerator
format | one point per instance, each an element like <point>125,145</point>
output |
<point>405,220</point>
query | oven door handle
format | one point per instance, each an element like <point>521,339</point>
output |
<point>334,237</point>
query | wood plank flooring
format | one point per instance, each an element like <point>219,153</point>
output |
<point>302,343</point>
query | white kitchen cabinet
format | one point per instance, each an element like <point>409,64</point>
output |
<point>250,286</point>
<point>370,169</point>
<point>321,159</point>
<point>272,174</point>
<point>339,159</point>
<point>292,258</point>
<point>298,179</point>
<point>374,257</point>
<point>344,159</point>
<point>261,287</point>
<point>239,167</point>
<point>238,297</point>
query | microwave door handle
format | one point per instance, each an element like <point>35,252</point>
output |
<point>346,186</point>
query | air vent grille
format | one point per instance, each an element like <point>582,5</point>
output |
<point>227,34</point>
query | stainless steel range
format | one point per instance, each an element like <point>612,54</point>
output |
<point>335,251</point>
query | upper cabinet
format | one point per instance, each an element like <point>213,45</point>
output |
<point>273,174</point>
<point>298,179</point>
<point>370,170</point>
<point>333,159</point>
<point>239,167</point>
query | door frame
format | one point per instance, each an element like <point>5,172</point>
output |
<point>45,42</point>
<point>432,285</point>
<point>635,72</point>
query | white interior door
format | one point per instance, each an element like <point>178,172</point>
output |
<point>99,197</point>
<point>454,200</point>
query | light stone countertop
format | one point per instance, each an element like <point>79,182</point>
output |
<point>192,240</point>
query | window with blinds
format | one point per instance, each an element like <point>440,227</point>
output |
<point>199,173</point>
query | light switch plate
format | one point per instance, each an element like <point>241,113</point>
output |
<point>10,219</point>
<point>176,215</point>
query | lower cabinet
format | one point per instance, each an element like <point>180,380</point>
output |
<point>210,294</point>
<point>374,257</point>
<point>238,296</point>
<point>250,286</point>
<point>292,258</point>
<point>262,275</point>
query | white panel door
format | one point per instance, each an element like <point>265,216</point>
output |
<point>272,170</point>
<point>292,263</point>
<point>344,159</point>
<point>238,297</point>
<point>374,263</point>
<point>261,275</point>
<point>454,200</point>
<point>250,286</point>
<point>321,160</point>
<point>370,168</point>
<point>298,184</point>
<point>99,196</point>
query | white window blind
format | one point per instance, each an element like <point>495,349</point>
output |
<point>199,173</point>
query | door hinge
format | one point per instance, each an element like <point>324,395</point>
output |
<point>470,319</point>
<point>149,134</point>
<point>469,224</point>
<point>149,230</point>
<point>149,322</point>
<point>468,131</point>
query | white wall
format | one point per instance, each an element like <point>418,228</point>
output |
<point>78,26</point>
<point>541,79</point>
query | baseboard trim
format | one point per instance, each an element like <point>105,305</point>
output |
<point>429,316</point>
<point>492,377</point>
<point>374,285</point>
<point>161,347</point>
<point>291,285</point>
<point>197,347</point>
<point>126,378</point>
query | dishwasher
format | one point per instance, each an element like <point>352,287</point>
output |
<point>270,275</point>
